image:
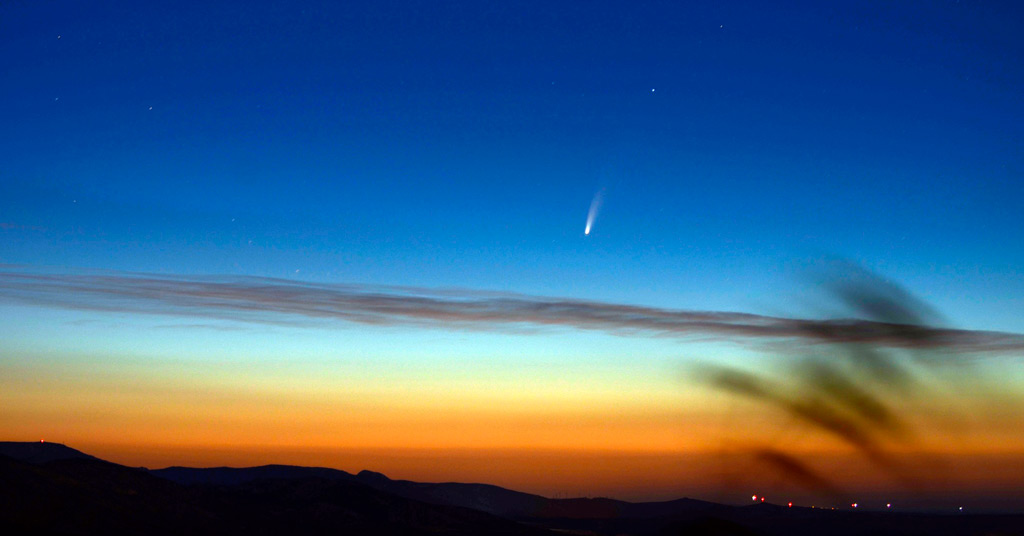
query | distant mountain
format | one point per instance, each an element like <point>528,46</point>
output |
<point>54,489</point>
<point>610,516</point>
<point>600,516</point>
<point>84,495</point>
<point>519,505</point>
<point>88,496</point>
<point>231,476</point>
<point>484,497</point>
<point>41,452</point>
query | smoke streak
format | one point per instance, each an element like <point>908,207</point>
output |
<point>863,392</point>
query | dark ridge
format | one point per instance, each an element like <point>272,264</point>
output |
<point>484,497</point>
<point>602,516</point>
<point>73,493</point>
<point>85,496</point>
<point>89,496</point>
<point>41,452</point>
<point>231,476</point>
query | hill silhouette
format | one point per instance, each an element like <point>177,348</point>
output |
<point>41,452</point>
<point>54,489</point>
<point>484,497</point>
<point>85,495</point>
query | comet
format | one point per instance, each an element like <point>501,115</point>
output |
<point>595,206</point>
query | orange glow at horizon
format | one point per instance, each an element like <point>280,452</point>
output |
<point>611,436</point>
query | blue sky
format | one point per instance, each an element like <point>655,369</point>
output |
<point>460,144</point>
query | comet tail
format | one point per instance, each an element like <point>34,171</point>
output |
<point>595,206</point>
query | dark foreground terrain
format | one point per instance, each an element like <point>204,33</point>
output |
<point>52,489</point>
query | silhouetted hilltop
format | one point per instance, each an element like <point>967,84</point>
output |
<point>84,495</point>
<point>610,516</point>
<point>231,476</point>
<point>40,452</point>
<point>492,499</point>
<point>526,506</point>
<point>484,497</point>
<point>53,489</point>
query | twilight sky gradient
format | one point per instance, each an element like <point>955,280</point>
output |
<point>352,234</point>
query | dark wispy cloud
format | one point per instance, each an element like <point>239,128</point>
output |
<point>277,301</point>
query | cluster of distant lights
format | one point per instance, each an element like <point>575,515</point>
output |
<point>888,505</point>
